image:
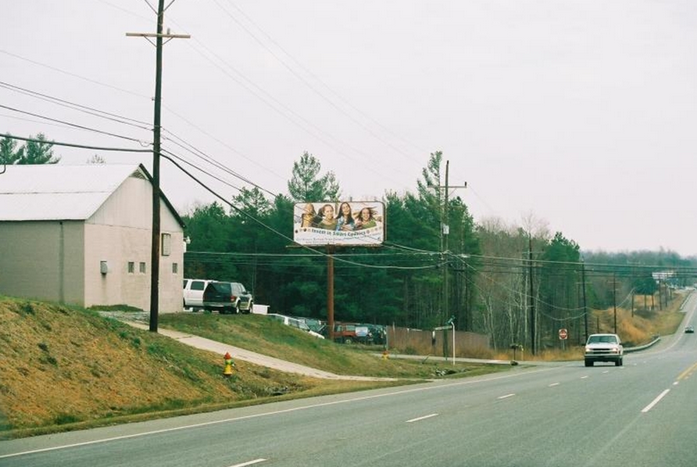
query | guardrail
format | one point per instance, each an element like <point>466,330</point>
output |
<point>655,341</point>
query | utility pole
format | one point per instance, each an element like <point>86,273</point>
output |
<point>614,296</point>
<point>155,245</point>
<point>532,298</point>
<point>585,306</point>
<point>444,232</point>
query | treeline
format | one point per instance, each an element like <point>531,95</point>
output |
<point>518,284</point>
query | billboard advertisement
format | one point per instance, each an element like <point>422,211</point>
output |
<point>343,223</point>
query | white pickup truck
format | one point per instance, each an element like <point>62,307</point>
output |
<point>193,293</point>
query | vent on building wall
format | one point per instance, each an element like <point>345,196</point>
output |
<point>103,267</point>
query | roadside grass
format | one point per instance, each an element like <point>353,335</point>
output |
<point>269,337</point>
<point>65,368</point>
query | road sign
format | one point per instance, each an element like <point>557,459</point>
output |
<point>563,334</point>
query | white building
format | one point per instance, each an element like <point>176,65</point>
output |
<point>82,235</point>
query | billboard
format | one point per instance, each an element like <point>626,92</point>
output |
<point>343,223</point>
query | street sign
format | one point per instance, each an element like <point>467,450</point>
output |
<point>563,334</point>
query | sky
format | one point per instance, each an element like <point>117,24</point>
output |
<point>579,114</point>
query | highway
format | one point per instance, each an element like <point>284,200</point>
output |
<point>559,414</point>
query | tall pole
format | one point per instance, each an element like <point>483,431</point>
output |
<point>532,301</point>
<point>585,307</point>
<point>155,244</point>
<point>330,292</point>
<point>155,240</point>
<point>446,231</point>
<point>614,297</point>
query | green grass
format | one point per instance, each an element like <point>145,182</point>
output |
<point>260,334</point>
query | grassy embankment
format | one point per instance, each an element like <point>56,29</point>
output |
<point>64,368</point>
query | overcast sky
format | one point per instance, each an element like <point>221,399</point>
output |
<point>582,113</point>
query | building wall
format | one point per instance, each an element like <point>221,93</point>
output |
<point>61,261</point>
<point>42,260</point>
<point>120,233</point>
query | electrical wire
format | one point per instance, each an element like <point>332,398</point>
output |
<point>73,145</point>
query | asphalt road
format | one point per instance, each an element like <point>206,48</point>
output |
<point>641,414</point>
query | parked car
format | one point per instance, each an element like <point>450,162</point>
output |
<point>690,329</point>
<point>298,323</point>
<point>227,297</point>
<point>603,348</point>
<point>193,293</point>
<point>349,333</point>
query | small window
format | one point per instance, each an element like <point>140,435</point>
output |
<point>175,268</point>
<point>142,267</point>
<point>166,244</point>
<point>131,267</point>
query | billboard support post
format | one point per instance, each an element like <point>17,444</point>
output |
<point>330,291</point>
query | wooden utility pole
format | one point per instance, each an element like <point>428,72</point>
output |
<point>532,298</point>
<point>155,244</point>
<point>614,297</point>
<point>444,232</point>
<point>585,306</point>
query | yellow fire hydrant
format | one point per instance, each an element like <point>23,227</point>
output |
<point>385,354</point>
<point>227,372</point>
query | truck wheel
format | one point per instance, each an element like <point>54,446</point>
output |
<point>589,363</point>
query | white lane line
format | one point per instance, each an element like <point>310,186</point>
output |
<point>676,383</point>
<point>255,461</point>
<point>655,401</point>
<point>606,372</point>
<point>506,396</point>
<point>584,377</point>
<point>422,418</point>
<point>553,384</point>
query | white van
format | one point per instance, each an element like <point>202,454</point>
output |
<point>193,293</point>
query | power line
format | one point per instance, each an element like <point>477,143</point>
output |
<point>73,125</point>
<point>73,145</point>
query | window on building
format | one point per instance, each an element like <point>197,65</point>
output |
<point>131,267</point>
<point>166,244</point>
<point>142,267</point>
<point>175,268</point>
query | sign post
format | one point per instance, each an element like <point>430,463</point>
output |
<point>563,335</point>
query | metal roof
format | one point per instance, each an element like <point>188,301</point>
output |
<point>60,192</point>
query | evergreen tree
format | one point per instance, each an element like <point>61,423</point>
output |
<point>9,154</point>
<point>307,186</point>
<point>38,152</point>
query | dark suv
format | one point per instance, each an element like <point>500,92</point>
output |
<point>227,297</point>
